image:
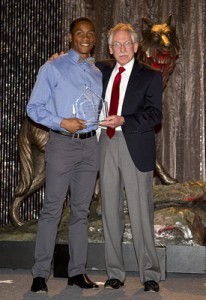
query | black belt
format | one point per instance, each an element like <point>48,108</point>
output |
<point>83,135</point>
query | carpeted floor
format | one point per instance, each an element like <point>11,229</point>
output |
<point>15,285</point>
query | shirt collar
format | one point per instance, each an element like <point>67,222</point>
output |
<point>128,67</point>
<point>77,58</point>
<point>74,55</point>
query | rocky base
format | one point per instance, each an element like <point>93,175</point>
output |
<point>179,218</point>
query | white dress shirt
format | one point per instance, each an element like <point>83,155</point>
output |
<point>123,86</point>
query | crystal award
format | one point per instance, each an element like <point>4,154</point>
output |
<point>89,106</point>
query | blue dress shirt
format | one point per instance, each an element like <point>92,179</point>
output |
<point>66,88</point>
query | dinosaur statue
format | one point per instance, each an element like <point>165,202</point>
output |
<point>158,48</point>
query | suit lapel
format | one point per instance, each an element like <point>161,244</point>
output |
<point>132,84</point>
<point>106,78</point>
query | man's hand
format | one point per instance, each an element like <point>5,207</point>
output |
<point>73,124</point>
<point>55,56</point>
<point>113,121</point>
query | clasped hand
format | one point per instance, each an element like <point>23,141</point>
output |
<point>73,124</point>
<point>112,121</point>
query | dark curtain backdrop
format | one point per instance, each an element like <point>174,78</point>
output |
<point>32,30</point>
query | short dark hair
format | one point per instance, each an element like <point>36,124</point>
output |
<point>75,21</point>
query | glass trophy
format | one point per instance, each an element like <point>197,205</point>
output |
<point>90,107</point>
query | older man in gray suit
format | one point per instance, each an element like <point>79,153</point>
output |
<point>127,154</point>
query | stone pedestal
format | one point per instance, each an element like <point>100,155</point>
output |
<point>173,258</point>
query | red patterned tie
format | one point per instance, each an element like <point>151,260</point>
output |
<point>114,100</point>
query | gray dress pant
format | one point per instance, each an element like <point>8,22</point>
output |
<point>70,163</point>
<point>117,171</point>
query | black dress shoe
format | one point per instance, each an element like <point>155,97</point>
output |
<point>113,283</point>
<point>151,286</point>
<point>83,281</point>
<point>39,285</point>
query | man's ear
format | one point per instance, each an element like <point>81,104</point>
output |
<point>70,38</point>
<point>110,50</point>
<point>135,47</point>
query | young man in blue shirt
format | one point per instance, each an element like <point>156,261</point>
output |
<point>71,155</point>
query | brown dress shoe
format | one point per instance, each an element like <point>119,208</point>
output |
<point>83,281</point>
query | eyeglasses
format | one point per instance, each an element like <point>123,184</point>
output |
<point>118,45</point>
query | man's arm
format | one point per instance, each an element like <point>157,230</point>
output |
<point>151,114</point>
<point>39,105</point>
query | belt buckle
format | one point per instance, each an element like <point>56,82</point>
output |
<point>83,135</point>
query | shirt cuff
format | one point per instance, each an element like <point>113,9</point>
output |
<point>56,121</point>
